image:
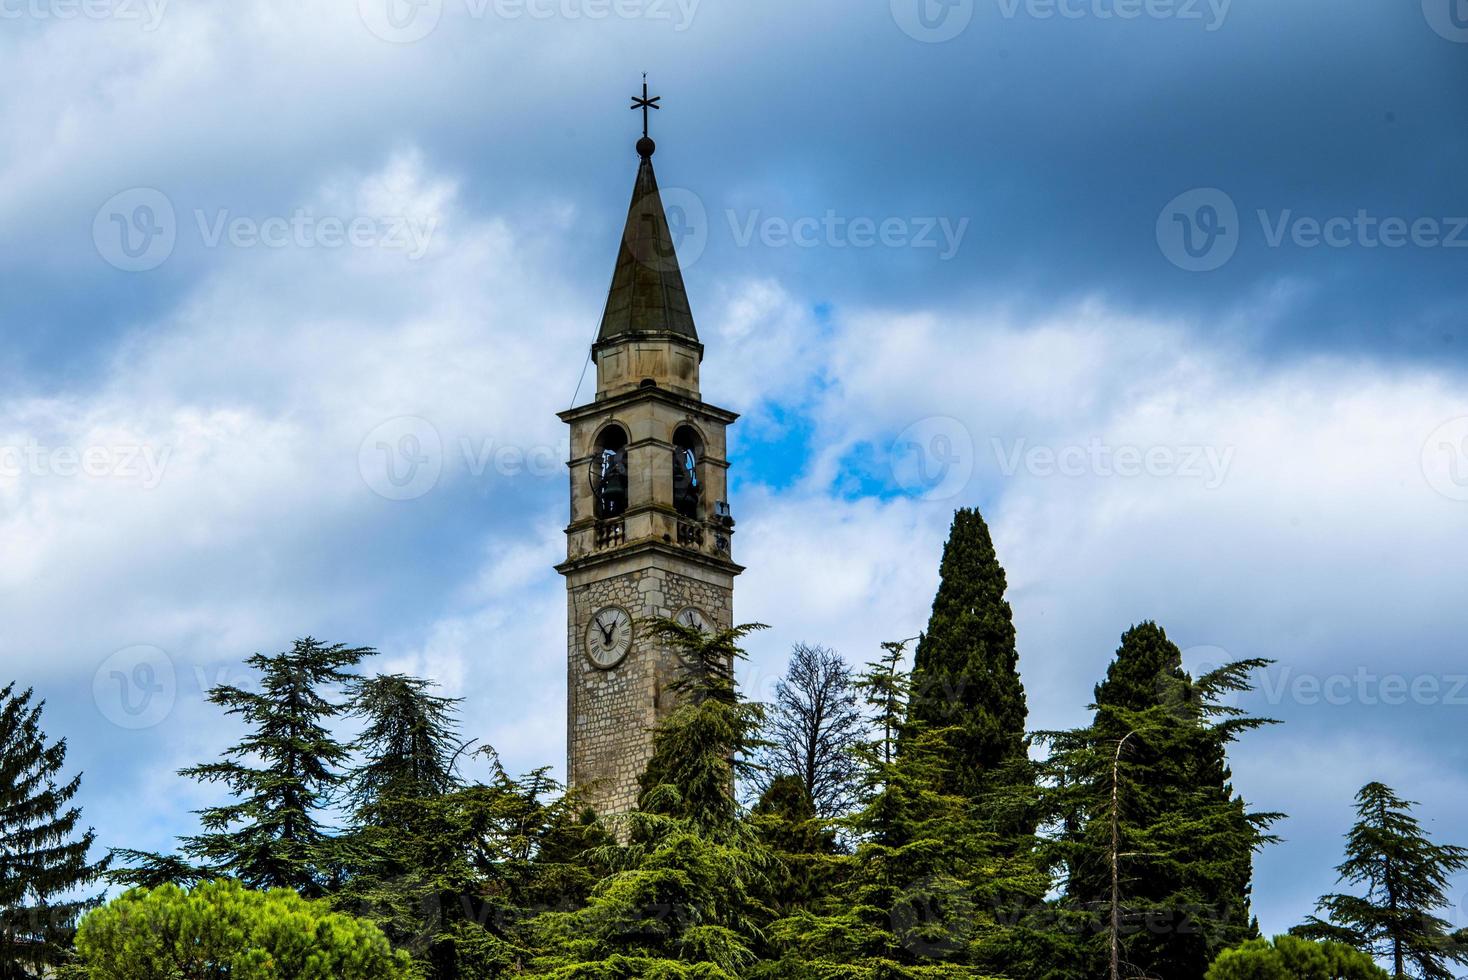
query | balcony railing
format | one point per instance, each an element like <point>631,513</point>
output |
<point>609,534</point>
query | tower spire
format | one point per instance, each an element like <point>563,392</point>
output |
<point>647,295</point>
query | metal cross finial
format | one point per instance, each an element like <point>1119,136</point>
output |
<point>645,103</point>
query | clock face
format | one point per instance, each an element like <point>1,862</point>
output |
<point>694,617</point>
<point>609,637</point>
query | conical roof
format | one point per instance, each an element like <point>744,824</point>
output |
<point>647,294</point>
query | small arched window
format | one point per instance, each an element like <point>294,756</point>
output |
<point>687,471</point>
<point>609,472</point>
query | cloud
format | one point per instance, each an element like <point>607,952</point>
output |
<point>1276,412</point>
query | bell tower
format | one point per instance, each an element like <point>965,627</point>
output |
<point>650,531</point>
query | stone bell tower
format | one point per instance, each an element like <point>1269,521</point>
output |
<point>650,532</point>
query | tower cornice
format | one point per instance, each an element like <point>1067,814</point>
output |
<point>648,548</point>
<point>612,403</point>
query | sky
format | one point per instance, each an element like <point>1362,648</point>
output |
<point>1172,290</point>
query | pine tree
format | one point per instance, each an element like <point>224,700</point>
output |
<point>270,834</point>
<point>458,881</point>
<point>409,746</point>
<point>965,674</point>
<point>221,929</point>
<point>1293,958</point>
<point>43,859</point>
<point>1156,846</point>
<point>1406,878</point>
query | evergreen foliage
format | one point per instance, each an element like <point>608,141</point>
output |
<point>1155,846</point>
<point>455,879</point>
<point>929,891</point>
<point>965,676</point>
<point>222,929</point>
<point>1405,876</point>
<point>44,867</point>
<point>803,843</point>
<point>409,745</point>
<point>1293,958</point>
<point>282,774</point>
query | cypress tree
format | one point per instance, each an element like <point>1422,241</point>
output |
<point>270,834</point>
<point>43,859</point>
<point>930,891</point>
<point>965,675</point>
<point>1406,878</point>
<point>1156,845</point>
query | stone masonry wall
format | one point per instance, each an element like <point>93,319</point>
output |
<point>611,712</point>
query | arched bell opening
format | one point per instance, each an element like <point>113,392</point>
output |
<point>688,480</point>
<point>608,472</point>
